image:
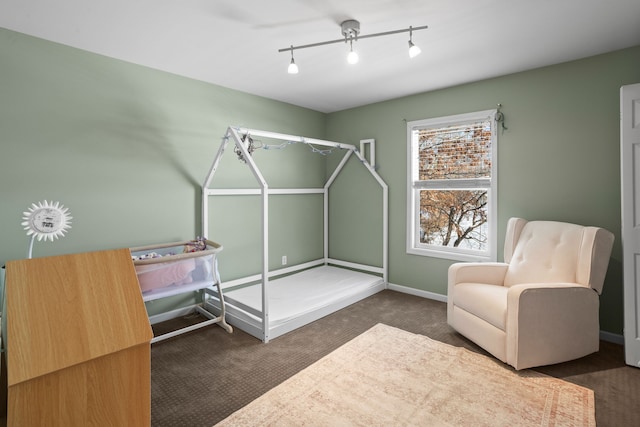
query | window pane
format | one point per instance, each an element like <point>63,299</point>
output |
<point>454,218</point>
<point>454,152</point>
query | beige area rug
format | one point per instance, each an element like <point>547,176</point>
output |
<point>390,377</point>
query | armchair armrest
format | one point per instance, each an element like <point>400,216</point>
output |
<point>491,273</point>
<point>549,323</point>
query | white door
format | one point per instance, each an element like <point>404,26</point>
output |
<point>630,169</point>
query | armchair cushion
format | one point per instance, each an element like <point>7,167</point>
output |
<point>547,252</point>
<point>488,302</point>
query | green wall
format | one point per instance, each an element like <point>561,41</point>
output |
<point>558,159</point>
<point>126,149</point>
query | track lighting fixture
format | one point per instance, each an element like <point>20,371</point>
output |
<point>351,32</point>
<point>293,68</point>
<point>413,49</point>
<point>352,57</point>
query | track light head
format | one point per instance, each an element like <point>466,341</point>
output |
<point>413,49</point>
<point>352,57</point>
<point>293,68</point>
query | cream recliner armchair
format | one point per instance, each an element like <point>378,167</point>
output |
<point>541,305</point>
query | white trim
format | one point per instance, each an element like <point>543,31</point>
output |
<point>184,311</point>
<point>611,337</point>
<point>412,233</point>
<point>630,232</point>
<point>448,254</point>
<point>604,335</point>
<point>417,292</point>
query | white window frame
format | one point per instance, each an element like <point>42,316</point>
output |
<point>414,186</point>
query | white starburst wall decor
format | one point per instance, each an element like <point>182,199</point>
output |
<point>46,221</point>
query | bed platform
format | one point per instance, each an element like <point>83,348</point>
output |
<point>298,299</point>
<point>273,302</point>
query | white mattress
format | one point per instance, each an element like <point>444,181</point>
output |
<point>302,293</point>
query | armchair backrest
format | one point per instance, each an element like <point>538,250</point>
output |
<point>556,252</point>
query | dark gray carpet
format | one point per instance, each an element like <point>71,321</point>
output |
<point>201,377</point>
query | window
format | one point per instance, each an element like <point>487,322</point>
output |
<point>452,187</point>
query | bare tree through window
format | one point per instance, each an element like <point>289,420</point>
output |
<point>453,217</point>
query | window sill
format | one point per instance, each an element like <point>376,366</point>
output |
<point>454,256</point>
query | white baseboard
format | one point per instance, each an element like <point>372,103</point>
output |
<point>417,292</point>
<point>611,337</point>
<point>604,335</point>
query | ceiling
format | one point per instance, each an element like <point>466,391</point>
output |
<point>234,43</point>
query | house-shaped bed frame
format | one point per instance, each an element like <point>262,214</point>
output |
<point>252,308</point>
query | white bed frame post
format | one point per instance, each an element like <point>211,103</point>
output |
<point>385,206</point>
<point>264,191</point>
<point>206,192</point>
<point>327,185</point>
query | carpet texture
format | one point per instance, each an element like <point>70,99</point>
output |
<point>388,376</point>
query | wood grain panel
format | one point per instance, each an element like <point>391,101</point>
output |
<point>107,391</point>
<point>78,342</point>
<point>65,310</point>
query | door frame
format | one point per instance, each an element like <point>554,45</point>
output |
<point>630,199</point>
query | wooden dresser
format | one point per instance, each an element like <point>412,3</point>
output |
<point>77,342</point>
